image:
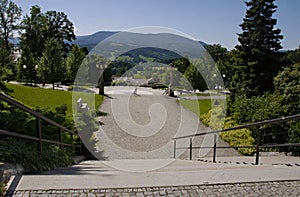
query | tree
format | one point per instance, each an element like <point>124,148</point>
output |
<point>94,70</point>
<point>37,27</point>
<point>181,64</point>
<point>195,78</point>
<point>221,57</point>
<point>291,57</point>
<point>9,23</point>
<point>31,41</point>
<point>59,26</point>
<point>258,50</point>
<point>287,84</point>
<point>51,68</point>
<point>216,51</point>
<point>73,62</point>
<point>10,16</point>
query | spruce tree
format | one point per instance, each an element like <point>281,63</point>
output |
<point>258,50</point>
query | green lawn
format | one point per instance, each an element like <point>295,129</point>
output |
<point>47,98</point>
<point>199,107</point>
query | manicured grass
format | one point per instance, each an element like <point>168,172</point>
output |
<point>34,97</point>
<point>199,107</point>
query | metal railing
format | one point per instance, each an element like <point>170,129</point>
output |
<point>39,117</point>
<point>258,146</point>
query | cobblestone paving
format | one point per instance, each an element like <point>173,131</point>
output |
<point>275,188</point>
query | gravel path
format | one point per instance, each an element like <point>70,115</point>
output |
<point>279,188</point>
<point>142,127</point>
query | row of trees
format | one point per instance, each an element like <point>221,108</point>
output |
<point>44,45</point>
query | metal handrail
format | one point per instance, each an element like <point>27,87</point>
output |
<point>257,125</point>
<point>39,117</point>
<point>10,100</point>
<point>18,135</point>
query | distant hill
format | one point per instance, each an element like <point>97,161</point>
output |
<point>90,41</point>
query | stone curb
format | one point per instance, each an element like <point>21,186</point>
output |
<point>263,188</point>
<point>7,170</point>
<point>78,159</point>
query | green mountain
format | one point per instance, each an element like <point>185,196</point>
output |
<point>90,41</point>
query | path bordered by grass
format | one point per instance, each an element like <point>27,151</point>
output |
<point>34,97</point>
<point>199,107</point>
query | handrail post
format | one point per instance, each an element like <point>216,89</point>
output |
<point>174,149</point>
<point>60,138</point>
<point>79,144</point>
<point>258,139</point>
<point>39,133</point>
<point>72,142</point>
<point>191,148</point>
<point>215,148</point>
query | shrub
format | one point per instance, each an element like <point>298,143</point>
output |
<point>214,118</point>
<point>241,137</point>
<point>266,107</point>
<point>25,153</point>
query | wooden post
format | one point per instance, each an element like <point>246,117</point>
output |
<point>258,139</point>
<point>39,133</point>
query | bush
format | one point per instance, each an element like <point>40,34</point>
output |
<point>267,107</point>
<point>240,137</point>
<point>294,136</point>
<point>2,189</point>
<point>25,153</point>
<point>214,118</point>
<point>258,108</point>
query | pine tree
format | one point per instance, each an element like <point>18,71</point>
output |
<point>258,50</point>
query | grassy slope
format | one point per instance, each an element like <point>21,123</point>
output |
<point>199,107</point>
<point>47,98</point>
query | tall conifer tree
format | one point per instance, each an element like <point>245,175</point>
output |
<point>258,50</point>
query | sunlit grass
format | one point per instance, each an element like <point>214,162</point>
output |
<point>34,97</point>
<point>199,107</point>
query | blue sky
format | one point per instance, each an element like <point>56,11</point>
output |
<point>211,21</point>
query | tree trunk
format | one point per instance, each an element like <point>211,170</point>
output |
<point>101,89</point>
<point>101,85</point>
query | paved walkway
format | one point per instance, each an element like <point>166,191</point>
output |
<point>142,127</point>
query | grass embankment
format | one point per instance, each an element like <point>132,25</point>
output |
<point>241,137</point>
<point>199,107</point>
<point>51,99</point>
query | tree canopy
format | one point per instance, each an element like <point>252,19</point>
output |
<point>258,50</point>
<point>9,24</point>
<point>39,27</point>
